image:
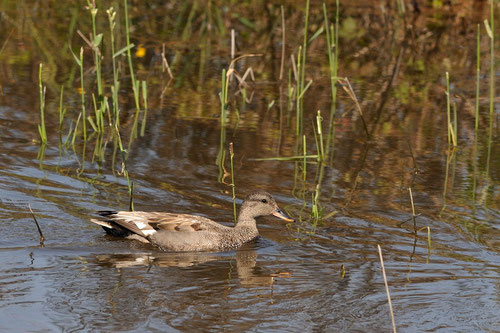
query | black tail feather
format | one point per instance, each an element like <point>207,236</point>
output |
<point>107,212</point>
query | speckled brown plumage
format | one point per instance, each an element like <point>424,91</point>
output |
<point>191,233</point>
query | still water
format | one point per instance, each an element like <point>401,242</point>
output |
<point>319,274</point>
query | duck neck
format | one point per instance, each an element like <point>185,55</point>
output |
<point>245,229</point>
<point>246,220</point>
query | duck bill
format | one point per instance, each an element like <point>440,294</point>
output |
<point>279,214</point>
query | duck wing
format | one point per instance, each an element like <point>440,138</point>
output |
<point>148,223</point>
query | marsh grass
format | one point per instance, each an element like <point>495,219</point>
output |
<point>323,145</point>
<point>332,42</point>
<point>135,84</point>
<point>324,133</point>
<point>416,230</point>
<point>231,156</point>
<point>106,116</point>
<point>124,170</point>
<point>476,115</point>
<point>145,103</point>
<point>226,76</point>
<point>304,158</point>
<point>318,136</point>
<point>283,42</point>
<point>116,83</point>
<point>300,77</point>
<point>490,28</point>
<point>346,85</point>
<point>478,76</point>
<point>221,156</point>
<point>95,43</point>
<point>79,62</point>
<point>41,127</point>
<point>449,160</point>
<point>448,117</point>
<point>451,125</point>
<point>62,109</point>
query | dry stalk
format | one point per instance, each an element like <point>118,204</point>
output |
<point>387,288</point>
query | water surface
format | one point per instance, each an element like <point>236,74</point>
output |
<point>291,278</point>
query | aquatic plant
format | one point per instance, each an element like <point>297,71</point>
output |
<point>42,89</point>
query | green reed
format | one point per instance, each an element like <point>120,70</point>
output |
<point>451,126</point>
<point>75,130</point>
<point>223,97</point>
<point>116,83</point>
<point>401,7</point>
<point>41,126</point>
<point>96,41</point>
<point>490,28</point>
<point>414,219</point>
<point>145,99</point>
<point>476,123</point>
<point>455,123</point>
<point>79,61</point>
<point>100,115</point>
<point>429,243</point>
<point>221,156</point>
<point>89,118</point>
<point>448,117</point>
<point>135,84</point>
<point>301,86</point>
<point>84,122</point>
<point>99,148</point>
<point>319,141</point>
<point>62,109</point>
<point>450,157</point>
<point>332,42</point>
<point>231,155</point>
<point>133,130</point>
<point>302,70</point>
<point>283,43</point>
<point>304,159</point>
<point>316,211</point>
<point>124,170</point>
<point>478,73</point>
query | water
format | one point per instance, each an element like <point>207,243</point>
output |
<point>291,278</point>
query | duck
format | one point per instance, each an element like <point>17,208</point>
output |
<point>173,232</point>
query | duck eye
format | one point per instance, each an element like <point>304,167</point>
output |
<point>264,201</point>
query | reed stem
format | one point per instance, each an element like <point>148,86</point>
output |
<point>84,118</point>
<point>62,110</point>
<point>478,72</point>
<point>387,288</point>
<point>490,31</point>
<point>41,126</point>
<point>42,238</point>
<point>448,107</point>
<point>135,86</point>
<point>145,99</point>
<point>231,154</point>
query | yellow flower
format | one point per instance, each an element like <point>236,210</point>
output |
<point>141,51</point>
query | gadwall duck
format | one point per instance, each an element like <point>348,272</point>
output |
<point>191,233</point>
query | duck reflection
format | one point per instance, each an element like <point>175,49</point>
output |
<point>247,270</point>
